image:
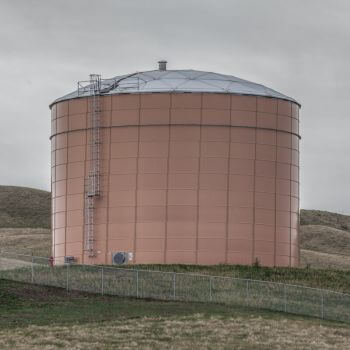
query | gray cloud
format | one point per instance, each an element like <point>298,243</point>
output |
<point>300,48</point>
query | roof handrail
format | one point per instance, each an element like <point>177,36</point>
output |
<point>116,83</point>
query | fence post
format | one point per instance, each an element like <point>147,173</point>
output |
<point>67,277</point>
<point>137,283</point>
<point>210,288</point>
<point>322,305</point>
<point>32,269</point>
<point>102,284</point>
<point>285,298</point>
<point>174,283</point>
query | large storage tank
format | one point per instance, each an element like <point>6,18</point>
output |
<point>192,167</point>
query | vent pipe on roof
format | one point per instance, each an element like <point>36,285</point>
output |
<point>162,65</point>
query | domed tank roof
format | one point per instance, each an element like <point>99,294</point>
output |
<point>178,81</point>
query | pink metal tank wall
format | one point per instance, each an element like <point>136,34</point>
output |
<point>194,178</point>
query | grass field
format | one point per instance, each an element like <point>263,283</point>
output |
<point>323,278</point>
<point>330,279</point>
<point>26,240</point>
<point>188,287</point>
<point>33,317</point>
<point>320,260</point>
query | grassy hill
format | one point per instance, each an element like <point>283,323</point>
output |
<point>22,207</point>
<point>325,218</point>
<point>35,317</point>
<point>324,239</point>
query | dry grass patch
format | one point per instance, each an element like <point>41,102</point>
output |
<point>12,264</point>
<point>26,240</point>
<point>188,332</point>
<point>323,260</point>
<point>325,218</point>
<point>325,239</point>
<point>24,207</point>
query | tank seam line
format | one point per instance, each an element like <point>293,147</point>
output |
<point>198,178</point>
<point>228,172</point>
<point>254,181</point>
<point>167,188</point>
<point>108,192</point>
<point>66,201</point>
<point>53,215</point>
<point>298,229</point>
<point>150,125</point>
<point>275,211</point>
<point>61,99</point>
<point>290,210</point>
<point>136,181</point>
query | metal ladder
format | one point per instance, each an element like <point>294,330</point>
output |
<point>94,88</point>
<point>92,185</point>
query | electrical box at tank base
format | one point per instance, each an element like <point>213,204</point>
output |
<point>70,260</point>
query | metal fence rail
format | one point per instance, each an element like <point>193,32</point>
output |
<point>137,283</point>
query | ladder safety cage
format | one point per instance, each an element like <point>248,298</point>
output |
<point>92,185</point>
<point>93,89</point>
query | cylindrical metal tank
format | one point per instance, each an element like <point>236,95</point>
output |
<point>195,168</point>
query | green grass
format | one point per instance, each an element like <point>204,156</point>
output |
<point>337,280</point>
<point>331,279</point>
<point>36,317</point>
<point>23,304</point>
<point>191,287</point>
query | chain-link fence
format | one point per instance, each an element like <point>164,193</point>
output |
<point>137,283</point>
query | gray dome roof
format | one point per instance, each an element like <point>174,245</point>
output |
<point>178,81</point>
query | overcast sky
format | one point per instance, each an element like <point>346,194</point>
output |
<point>300,48</point>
